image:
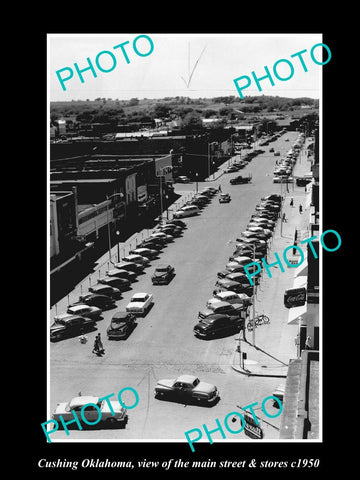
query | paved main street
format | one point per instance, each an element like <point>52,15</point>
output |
<point>163,345</point>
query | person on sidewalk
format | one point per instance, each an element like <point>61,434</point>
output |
<point>284,217</point>
<point>291,202</point>
<point>300,208</point>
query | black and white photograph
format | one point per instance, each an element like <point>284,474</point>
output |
<point>185,245</point>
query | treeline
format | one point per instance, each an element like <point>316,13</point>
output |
<point>107,110</point>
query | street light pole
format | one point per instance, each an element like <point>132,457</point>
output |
<point>253,334</point>
<point>108,223</point>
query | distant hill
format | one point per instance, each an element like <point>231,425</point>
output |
<point>115,110</point>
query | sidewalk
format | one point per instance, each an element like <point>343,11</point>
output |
<point>274,345</point>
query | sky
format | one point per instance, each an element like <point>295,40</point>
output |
<point>215,60</point>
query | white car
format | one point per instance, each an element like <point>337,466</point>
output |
<point>187,211</point>
<point>109,414</point>
<point>85,311</point>
<point>140,303</point>
<point>137,259</point>
<point>229,297</point>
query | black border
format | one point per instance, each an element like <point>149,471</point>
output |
<point>336,151</point>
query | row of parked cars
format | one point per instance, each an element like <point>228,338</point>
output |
<point>240,164</point>
<point>284,168</point>
<point>83,315</point>
<point>227,311</point>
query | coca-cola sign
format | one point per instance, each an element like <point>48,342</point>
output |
<point>295,297</point>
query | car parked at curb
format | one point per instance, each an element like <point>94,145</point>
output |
<point>121,283</point>
<point>111,412</point>
<point>187,211</point>
<point>70,326</point>
<point>234,310</point>
<point>229,297</point>
<point>139,259</point>
<point>187,388</point>
<point>132,266</point>
<point>119,273</point>
<point>216,325</point>
<point>149,253</point>
<point>108,290</point>
<point>93,299</point>
<point>85,311</point>
<point>140,303</point>
<point>121,325</point>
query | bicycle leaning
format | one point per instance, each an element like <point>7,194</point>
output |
<point>259,320</point>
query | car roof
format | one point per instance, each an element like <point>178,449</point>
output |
<point>79,307</point>
<point>186,378</point>
<point>83,400</point>
<point>222,304</point>
<point>163,265</point>
<point>139,294</point>
<point>225,294</point>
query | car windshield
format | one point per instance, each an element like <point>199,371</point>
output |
<point>196,382</point>
<point>161,269</point>
<point>139,299</point>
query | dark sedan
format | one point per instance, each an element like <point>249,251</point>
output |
<point>121,325</point>
<point>230,285</point>
<point>120,283</point>
<point>96,300</point>
<point>71,326</point>
<point>217,325</point>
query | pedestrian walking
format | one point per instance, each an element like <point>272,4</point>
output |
<point>100,344</point>
<point>284,217</point>
<point>308,343</point>
<point>96,346</point>
<point>291,202</point>
<point>300,208</point>
<point>219,188</point>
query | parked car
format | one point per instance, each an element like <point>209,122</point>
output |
<point>225,284</point>
<point>101,289</point>
<point>163,274</point>
<point>85,311</point>
<point>257,229</point>
<point>164,237</point>
<point>234,310</point>
<point>144,261</point>
<point>238,277</point>
<point>119,273</point>
<point>217,325</point>
<point>121,283</point>
<point>224,198</point>
<point>149,253</point>
<point>231,268</point>
<point>70,326</point>
<point>229,297</point>
<point>187,388</point>
<point>249,234</point>
<point>121,325</point>
<point>177,222</point>
<point>240,259</point>
<point>93,299</point>
<point>140,303</point>
<point>170,229</point>
<point>187,211</point>
<point>133,267</point>
<point>111,411</point>
<point>152,243</point>
<point>231,169</point>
